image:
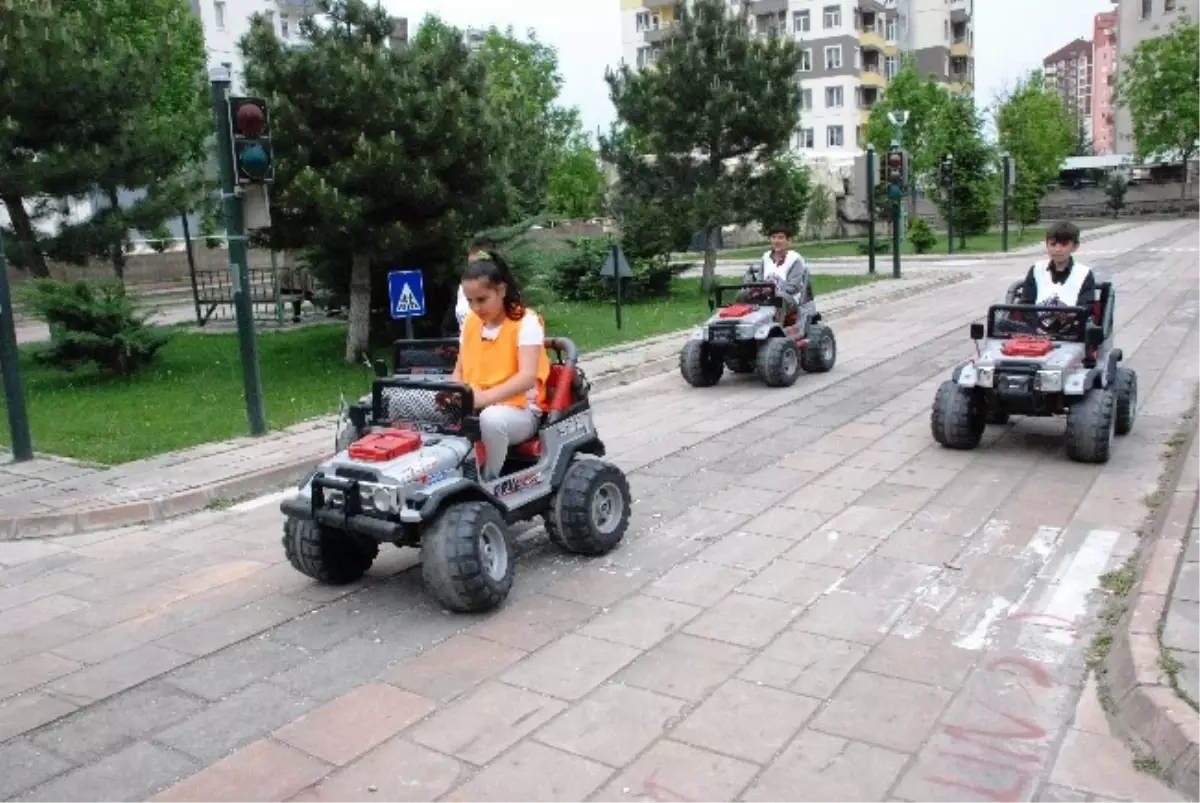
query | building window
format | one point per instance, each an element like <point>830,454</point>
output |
<point>806,60</point>
<point>835,136</point>
<point>832,16</point>
<point>1147,8</point>
<point>891,66</point>
<point>805,139</point>
<point>833,57</point>
<point>647,56</point>
<point>801,23</point>
<point>890,31</point>
<point>805,100</point>
<point>285,29</point>
<point>946,29</point>
<point>219,13</point>
<point>834,97</point>
<point>642,21</point>
<point>1168,5</point>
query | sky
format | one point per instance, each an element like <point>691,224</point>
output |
<point>1011,38</point>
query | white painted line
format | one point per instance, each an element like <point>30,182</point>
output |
<point>261,501</point>
<point>977,639</point>
<point>1078,579</point>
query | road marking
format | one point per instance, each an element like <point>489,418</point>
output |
<point>1077,580</point>
<point>261,501</point>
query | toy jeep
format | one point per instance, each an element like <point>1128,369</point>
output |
<point>411,477</point>
<point>755,336</point>
<point>1042,361</point>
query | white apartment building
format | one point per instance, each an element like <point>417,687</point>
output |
<point>851,49</point>
<point>1138,20</point>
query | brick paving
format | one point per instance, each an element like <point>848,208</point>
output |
<point>1183,619</point>
<point>814,601</point>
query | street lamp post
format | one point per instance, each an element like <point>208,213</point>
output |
<point>898,118</point>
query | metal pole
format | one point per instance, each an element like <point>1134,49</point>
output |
<point>1004,218</point>
<point>950,204</point>
<point>897,212</point>
<point>237,254</point>
<point>871,210</point>
<point>10,369</point>
<point>187,243</point>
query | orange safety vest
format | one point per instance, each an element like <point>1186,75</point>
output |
<point>488,363</point>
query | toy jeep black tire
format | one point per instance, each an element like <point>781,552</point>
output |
<point>328,556</point>
<point>701,368</point>
<point>1125,388</point>
<point>590,511</point>
<point>466,560</point>
<point>778,362</point>
<point>957,419</point>
<point>820,355</point>
<point>1091,422</point>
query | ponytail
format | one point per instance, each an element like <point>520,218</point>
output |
<point>492,267</point>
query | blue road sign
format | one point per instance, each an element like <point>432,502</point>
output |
<point>406,294</point>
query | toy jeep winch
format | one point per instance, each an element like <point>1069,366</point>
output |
<point>1042,361</point>
<point>410,476</point>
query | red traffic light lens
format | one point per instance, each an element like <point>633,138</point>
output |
<point>250,120</point>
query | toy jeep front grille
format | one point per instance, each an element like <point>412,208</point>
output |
<point>722,331</point>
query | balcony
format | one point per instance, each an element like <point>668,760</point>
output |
<point>961,10</point>
<point>875,6</point>
<point>872,39</point>
<point>652,36</point>
<point>653,4</point>
<point>760,7</point>
<point>960,49</point>
<point>871,76</point>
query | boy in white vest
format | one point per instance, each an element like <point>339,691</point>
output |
<point>1059,280</point>
<point>782,266</point>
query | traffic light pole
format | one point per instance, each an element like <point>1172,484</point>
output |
<point>235,232</point>
<point>871,210</point>
<point>10,369</point>
<point>1004,213</point>
<point>897,235</point>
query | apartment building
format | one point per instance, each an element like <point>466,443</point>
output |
<point>851,49</point>
<point>1138,20</point>
<point>1104,83</point>
<point>1068,72</point>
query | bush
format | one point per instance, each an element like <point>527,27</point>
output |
<point>575,276</point>
<point>92,322</point>
<point>159,237</point>
<point>882,246</point>
<point>921,235</point>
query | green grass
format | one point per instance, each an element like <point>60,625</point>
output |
<point>193,392</point>
<point>825,249</point>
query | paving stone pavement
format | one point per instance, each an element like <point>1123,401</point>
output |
<point>1183,619</point>
<point>814,602</point>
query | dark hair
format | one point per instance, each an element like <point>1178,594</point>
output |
<point>494,268</point>
<point>779,228</point>
<point>1063,232</point>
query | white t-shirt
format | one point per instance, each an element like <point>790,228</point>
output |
<point>531,333</point>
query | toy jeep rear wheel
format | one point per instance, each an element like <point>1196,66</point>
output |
<point>1091,423</point>
<point>701,368</point>
<point>590,511</point>
<point>820,354</point>
<point>1125,388</point>
<point>466,561</point>
<point>326,555</point>
<point>957,420</point>
<point>778,363</point>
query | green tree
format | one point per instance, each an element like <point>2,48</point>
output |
<point>1114,189</point>
<point>780,194</point>
<point>523,82</point>
<point>921,97</point>
<point>956,129</point>
<point>1160,85</point>
<point>697,128</point>
<point>577,184</point>
<point>820,209</point>
<point>381,155</point>
<point>1037,131</point>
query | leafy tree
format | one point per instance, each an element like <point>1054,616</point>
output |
<point>577,184</point>
<point>1038,133</point>
<point>820,209</point>
<point>780,194</point>
<point>1160,85</point>
<point>696,128</point>
<point>956,129</point>
<point>382,156</point>
<point>536,136</point>
<point>1114,188</point>
<point>921,97</point>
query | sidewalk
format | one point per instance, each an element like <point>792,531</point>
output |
<point>1152,663</point>
<point>49,496</point>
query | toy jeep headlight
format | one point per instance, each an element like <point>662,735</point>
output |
<point>700,334</point>
<point>382,498</point>
<point>1050,381</point>
<point>985,377</point>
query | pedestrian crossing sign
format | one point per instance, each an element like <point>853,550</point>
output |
<point>406,294</point>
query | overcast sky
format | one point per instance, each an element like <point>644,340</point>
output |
<point>1011,37</point>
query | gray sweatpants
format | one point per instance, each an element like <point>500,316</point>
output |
<point>502,426</point>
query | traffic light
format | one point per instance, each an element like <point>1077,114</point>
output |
<point>946,172</point>
<point>250,128</point>
<point>897,171</point>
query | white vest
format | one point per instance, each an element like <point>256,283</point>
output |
<point>1066,293</point>
<point>772,271</point>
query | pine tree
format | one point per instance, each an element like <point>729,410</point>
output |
<point>698,126</point>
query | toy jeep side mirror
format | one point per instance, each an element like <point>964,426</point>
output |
<point>1093,335</point>
<point>380,368</point>
<point>977,331</point>
<point>712,304</point>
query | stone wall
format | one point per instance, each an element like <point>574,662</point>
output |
<point>169,268</point>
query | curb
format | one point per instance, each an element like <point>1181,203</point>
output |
<point>192,500</point>
<point>1146,708</point>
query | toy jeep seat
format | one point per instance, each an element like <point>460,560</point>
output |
<point>565,388</point>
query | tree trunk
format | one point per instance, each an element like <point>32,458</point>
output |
<point>26,234</point>
<point>359,331</point>
<point>710,257</point>
<point>117,249</point>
